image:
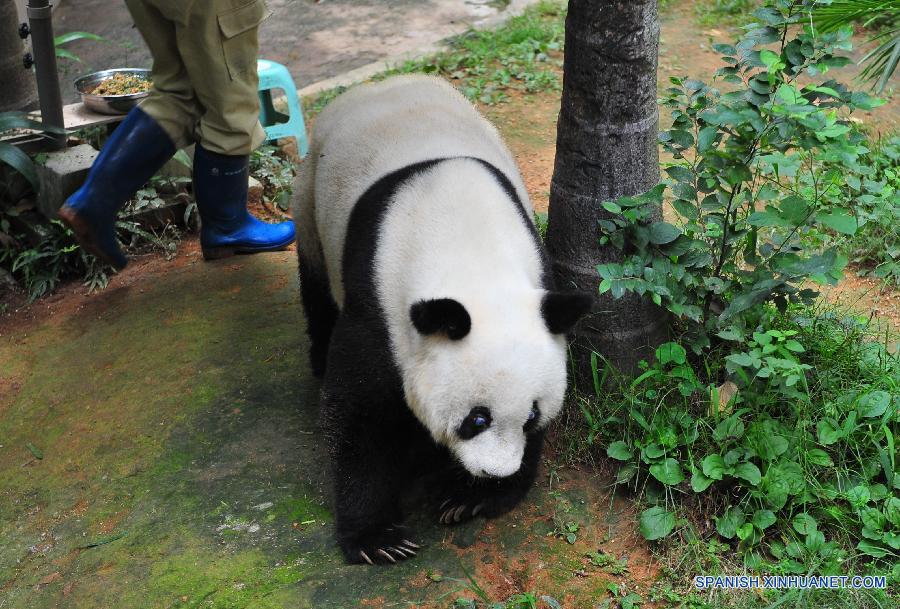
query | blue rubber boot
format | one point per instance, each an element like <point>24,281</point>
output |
<point>133,153</point>
<point>226,227</point>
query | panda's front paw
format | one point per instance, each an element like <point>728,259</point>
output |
<point>384,546</point>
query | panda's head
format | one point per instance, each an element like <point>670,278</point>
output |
<point>485,373</point>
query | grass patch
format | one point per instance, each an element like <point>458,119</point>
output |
<point>524,54</point>
<point>725,12</point>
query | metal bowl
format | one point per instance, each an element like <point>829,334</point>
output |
<point>110,104</point>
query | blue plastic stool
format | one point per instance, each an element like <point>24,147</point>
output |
<point>277,124</point>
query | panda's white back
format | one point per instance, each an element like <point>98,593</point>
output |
<point>372,130</point>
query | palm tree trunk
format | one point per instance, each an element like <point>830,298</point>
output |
<point>606,148</point>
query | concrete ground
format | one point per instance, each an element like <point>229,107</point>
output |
<point>314,39</point>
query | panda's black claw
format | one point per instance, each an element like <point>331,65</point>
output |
<point>447,515</point>
<point>386,555</point>
<point>383,545</point>
<point>458,513</point>
<point>446,503</point>
<point>411,544</point>
<point>477,509</point>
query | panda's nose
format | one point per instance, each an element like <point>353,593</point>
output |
<point>500,472</point>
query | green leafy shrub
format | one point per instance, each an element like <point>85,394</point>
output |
<point>777,474</point>
<point>772,419</point>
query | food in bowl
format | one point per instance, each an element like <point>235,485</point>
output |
<point>122,84</point>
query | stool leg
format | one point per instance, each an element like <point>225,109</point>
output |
<point>296,111</point>
<point>267,112</point>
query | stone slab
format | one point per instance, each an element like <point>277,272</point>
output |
<point>61,174</point>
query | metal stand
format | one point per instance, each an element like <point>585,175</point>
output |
<point>44,51</point>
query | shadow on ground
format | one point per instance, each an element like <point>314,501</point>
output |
<point>159,448</point>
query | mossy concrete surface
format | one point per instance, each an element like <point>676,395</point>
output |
<point>159,448</point>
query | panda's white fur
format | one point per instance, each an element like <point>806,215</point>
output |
<point>451,232</point>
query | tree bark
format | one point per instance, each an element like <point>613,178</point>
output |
<point>606,148</point>
<point>18,91</point>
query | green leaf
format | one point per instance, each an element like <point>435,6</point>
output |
<point>699,482</point>
<point>668,472</point>
<point>789,94</point>
<point>663,232</point>
<point>763,519</point>
<point>626,473</point>
<point>792,345</point>
<point>714,466</point>
<point>804,524</point>
<point>768,58</point>
<point>736,174</point>
<point>749,472</point>
<point>874,404</point>
<point>732,427</point>
<point>872,518</point>
<point>687,209</point>
<point>892,511</point>
<point>727,524</point>
<point>680,173</point>
<point>611,207</point>
<point>619,450</point>
<point>631,601</point>
<point>744,531</point>
<point>656,522</point>
<point>828,431</point>
<point>72,36</point>
<point>19,161</point>
<point>707,138</point>
<point>817,456</point>
<point>34,450</point>
<point>871,549</point>
<point>839,221</point>
<point>671,352</point>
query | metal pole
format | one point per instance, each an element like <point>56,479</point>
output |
<point>44,50</point>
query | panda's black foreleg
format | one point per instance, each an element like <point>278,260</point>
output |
<point>461,497</point>
<point>369,520</point>
<point>368,430</point>
<point>321,313</point>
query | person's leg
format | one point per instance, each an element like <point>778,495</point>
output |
<point>219,47</point>
<point>139,146</point>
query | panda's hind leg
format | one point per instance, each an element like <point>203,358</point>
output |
<point>459,497</point>
<point>315,290</point>
<point>321,313</point>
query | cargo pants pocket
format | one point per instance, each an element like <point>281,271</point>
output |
<point>240,40</point>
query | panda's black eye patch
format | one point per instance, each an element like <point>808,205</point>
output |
<point>533,417</point>
<point>442,315</point>
<point>478,419</point>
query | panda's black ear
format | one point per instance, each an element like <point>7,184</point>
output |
<point>443,315</point>
<point>561,310</point>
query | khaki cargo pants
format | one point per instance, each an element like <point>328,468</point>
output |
<point>204,70</point>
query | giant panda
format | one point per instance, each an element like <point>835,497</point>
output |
<point>430,310</point>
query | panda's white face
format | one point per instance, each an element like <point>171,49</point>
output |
<point>480,384</point>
